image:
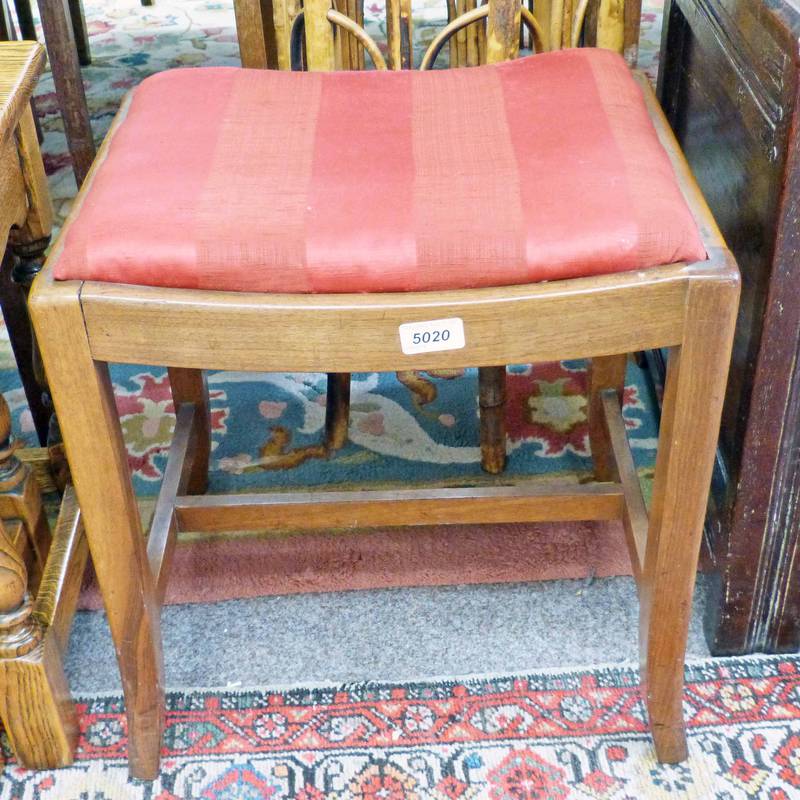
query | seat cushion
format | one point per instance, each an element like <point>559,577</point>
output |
<point>542,168</point>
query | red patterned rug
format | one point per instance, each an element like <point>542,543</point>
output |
<point>546,736</point>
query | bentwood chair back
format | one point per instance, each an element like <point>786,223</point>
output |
<point>548,24</point>
<point>531,209</point>
<point>265,30</point>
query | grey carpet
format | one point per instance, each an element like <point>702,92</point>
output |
<point>391,634</point>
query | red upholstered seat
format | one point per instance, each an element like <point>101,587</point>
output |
<point>542,168</point>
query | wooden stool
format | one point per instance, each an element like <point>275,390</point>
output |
<point>293,222</point>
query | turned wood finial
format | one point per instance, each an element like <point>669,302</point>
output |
<point>19,632</point>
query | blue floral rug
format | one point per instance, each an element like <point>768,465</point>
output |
<point>267,428</point>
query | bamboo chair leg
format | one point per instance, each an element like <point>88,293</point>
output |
<point>694,393</point>
<point>84,401</point>
<point>607,372</point>
<point>492,399</point>
<point>255,28</point>
<point>189,386</point>
<point>337,410</point>
<point>452,13</point>
<point>472,37</point>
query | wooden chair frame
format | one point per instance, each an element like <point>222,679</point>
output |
<point>690,308</point>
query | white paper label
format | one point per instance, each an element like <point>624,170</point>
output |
<point>435,334</point>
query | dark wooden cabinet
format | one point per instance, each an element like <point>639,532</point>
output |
<point>729,84</point>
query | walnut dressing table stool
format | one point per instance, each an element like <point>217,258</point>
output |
<point>302,221</point>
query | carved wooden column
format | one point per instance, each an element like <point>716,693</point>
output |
<point>40,574</point>
<point>34,697</point>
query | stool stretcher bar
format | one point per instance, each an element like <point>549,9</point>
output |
<point>635,519</point>
<point>527,501</point>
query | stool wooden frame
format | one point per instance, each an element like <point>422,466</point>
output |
<point>690,308</point>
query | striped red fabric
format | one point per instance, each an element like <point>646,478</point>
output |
<point>542,168</point>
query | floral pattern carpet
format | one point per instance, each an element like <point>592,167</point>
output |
<point>267,428</point>
<point>577,735</point>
